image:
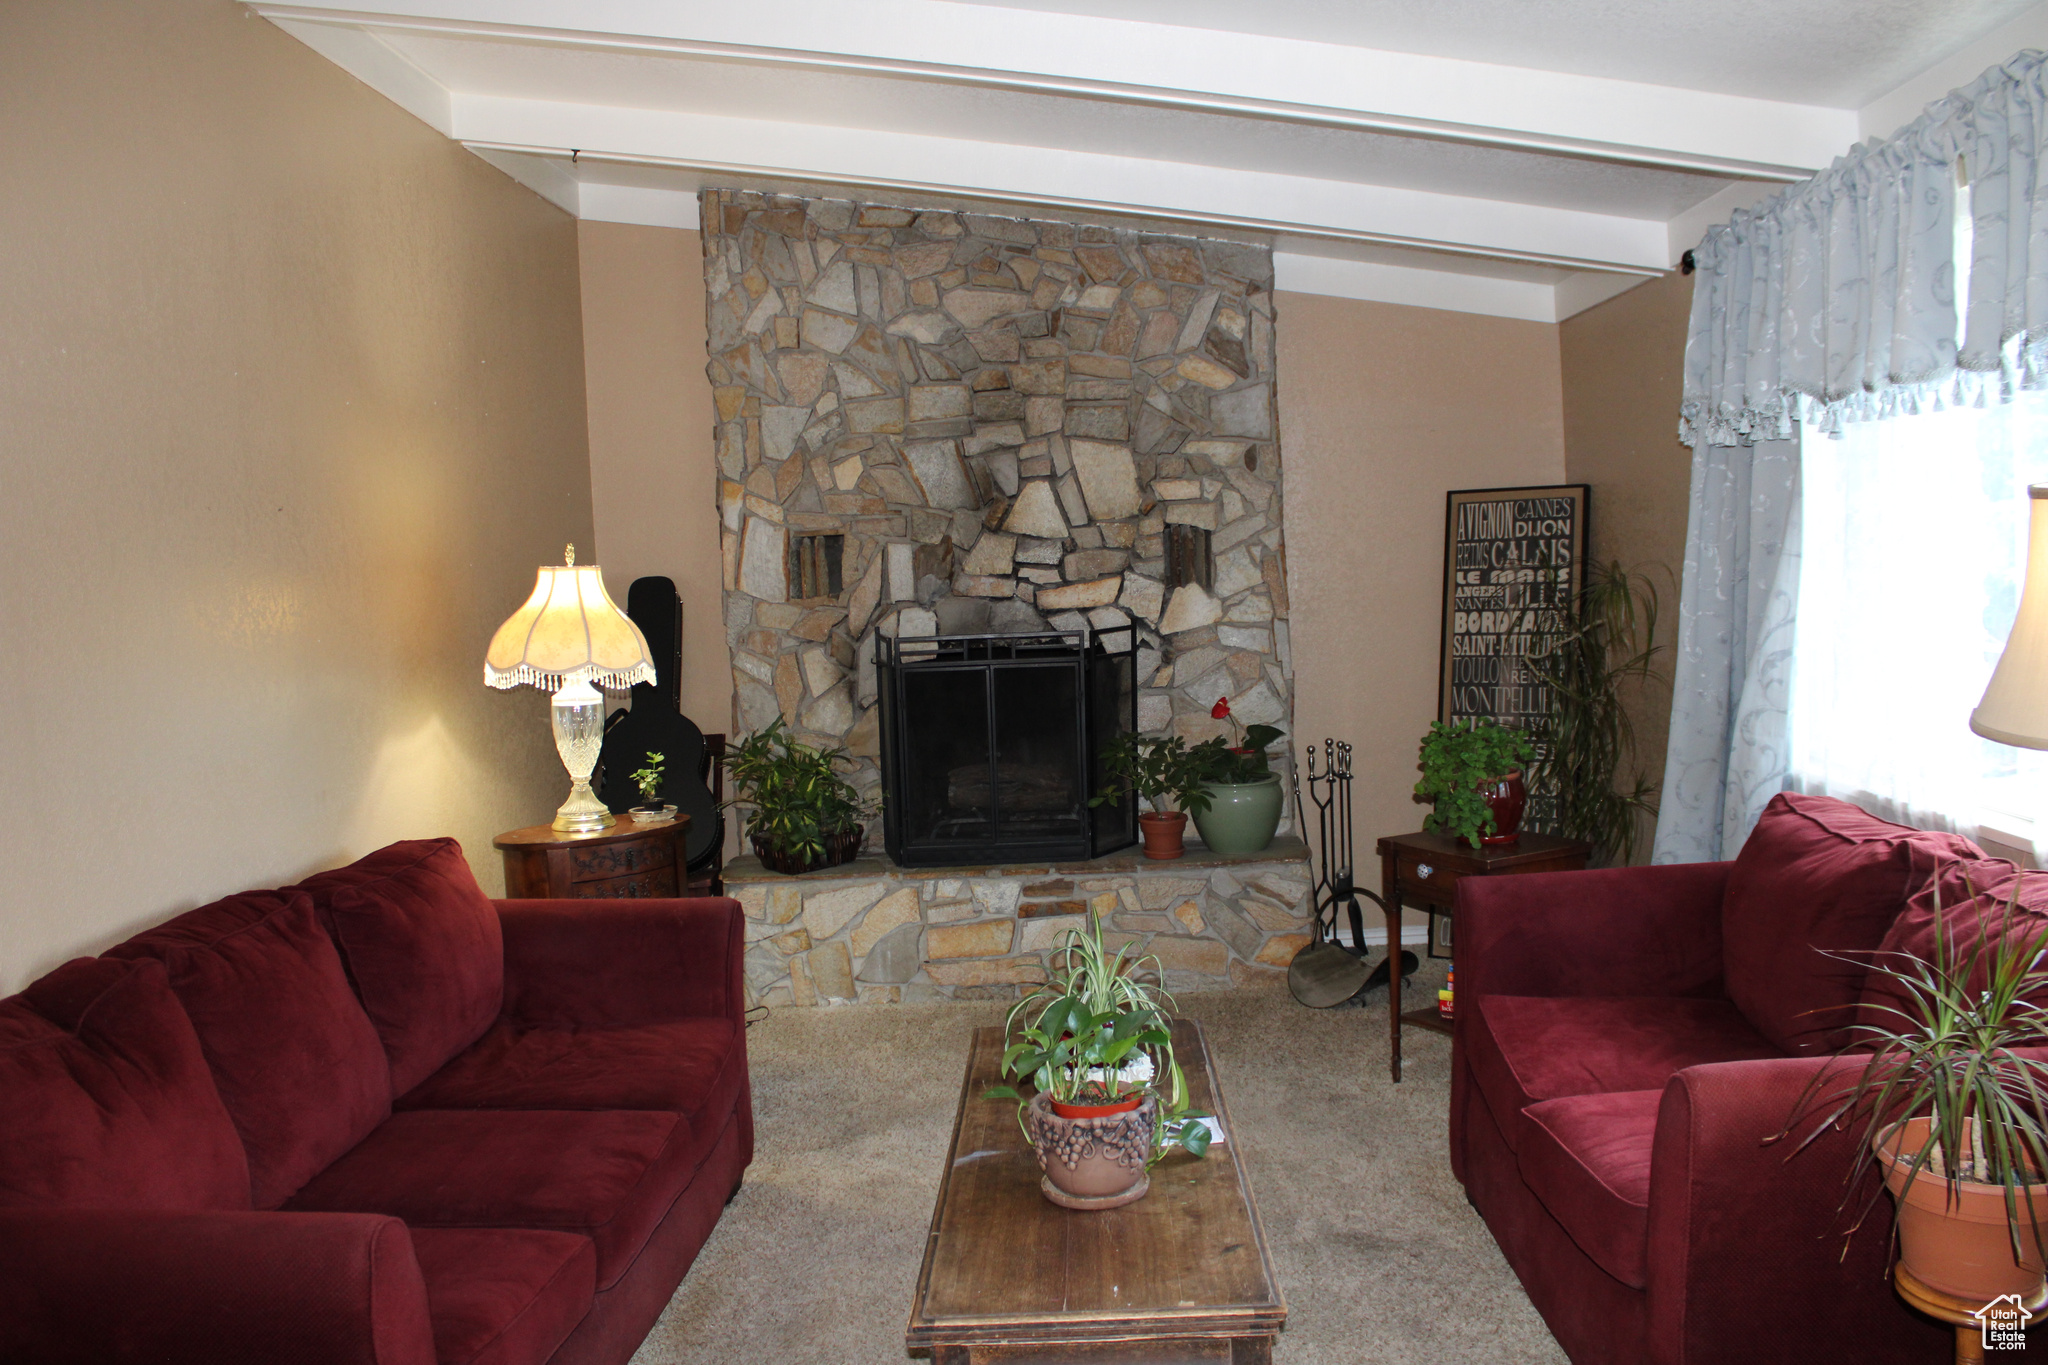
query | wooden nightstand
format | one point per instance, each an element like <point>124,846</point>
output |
<point>627,860</point>
<point>1426,868</point>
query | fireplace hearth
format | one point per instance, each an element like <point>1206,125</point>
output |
<point>992,745</point>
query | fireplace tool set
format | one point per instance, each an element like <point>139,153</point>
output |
<point>1328,972</point>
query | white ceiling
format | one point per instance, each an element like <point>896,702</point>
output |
<point>1492,156</point>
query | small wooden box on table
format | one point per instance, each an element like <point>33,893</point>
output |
<point>626,861</point>
<point>1426,869</point>
<point>1010,1278</point>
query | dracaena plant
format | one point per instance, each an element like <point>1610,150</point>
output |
<point>1947,1051</point>
<point>1097,1033</point>
<point>798,796</point>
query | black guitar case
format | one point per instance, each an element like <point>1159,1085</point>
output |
<point>657,725</point>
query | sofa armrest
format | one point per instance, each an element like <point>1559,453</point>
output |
<point>622,962</point>
<point>1616,931</point>
<point>109,1286</point>
<point>1746,1240</point>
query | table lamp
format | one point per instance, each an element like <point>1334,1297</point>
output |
<point>2015,705</point>
<point>568,635</point>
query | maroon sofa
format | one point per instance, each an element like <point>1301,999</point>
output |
<point>374,1119</point>
<point>1626,1040</point>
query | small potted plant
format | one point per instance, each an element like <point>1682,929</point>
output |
<point>1473,775</point>
<point>652,810</point>
<point>1943,1103</point>
<point>1160,769</point>
<point>805,815</point>
<point>1096,1045</point>
<point>1244,792</point>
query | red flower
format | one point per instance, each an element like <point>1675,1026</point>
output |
<point>1221,710</point>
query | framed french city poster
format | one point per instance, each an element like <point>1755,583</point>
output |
<point>1514,560</point>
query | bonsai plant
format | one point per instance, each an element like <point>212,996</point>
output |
<point>1095,1043</point>
<point>805,814</point>
<point>1244,804</point>
<point>1160,769</point>
<point>1943,1092</point>
<point>1605,652</point>
<point>648,779</point>
<point>1473,775</point>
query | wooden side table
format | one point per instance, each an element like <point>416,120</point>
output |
<point>1426,868</point>
<point>625,861</point>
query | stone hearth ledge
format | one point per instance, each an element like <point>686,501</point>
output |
<point>875,932</point>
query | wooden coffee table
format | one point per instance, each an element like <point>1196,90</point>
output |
<point>1009,1277</point>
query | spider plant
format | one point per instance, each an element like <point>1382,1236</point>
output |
<point>1098,1033</point>
<point>1946,1052</point>
<point>1605,650</point>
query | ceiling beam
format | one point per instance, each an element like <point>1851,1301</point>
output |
<point>1058,178</point>
<point>1145,63</point>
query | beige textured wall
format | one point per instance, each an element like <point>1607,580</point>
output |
<point>293,396</point>
<point>653,478</point>
<point>1383,410</point>
<point>1623,365</point>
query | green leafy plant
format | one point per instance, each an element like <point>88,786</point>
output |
<point>798,796</point>
<point>1099,1033</point>
<point>648,779</point>
<point>1244,761</point>
<point>1606,652</point>
<point>1455,760</point>
<point>1160,769</point>
<point>1946,1053</point>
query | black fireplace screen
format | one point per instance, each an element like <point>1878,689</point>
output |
<point>992,745</point>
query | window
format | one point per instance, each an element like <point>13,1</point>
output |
<point>814,566</point>
<point>1914,535</point>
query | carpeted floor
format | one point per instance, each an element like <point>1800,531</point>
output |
<point>1378,1254</point>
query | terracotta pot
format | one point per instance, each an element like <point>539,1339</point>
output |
<point>1164,835</point>
<point>842,847</point>
<point>1092,1163</point>
<point>1506,797</point>
<point>1961,1248</point>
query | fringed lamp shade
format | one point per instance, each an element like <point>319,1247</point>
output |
<point>569,635</point>
<point>570,630</point>
<point>2015,706</point>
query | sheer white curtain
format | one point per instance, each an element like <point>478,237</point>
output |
<point>1914,534</point>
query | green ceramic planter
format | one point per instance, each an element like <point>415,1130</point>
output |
<point>1242,815</point>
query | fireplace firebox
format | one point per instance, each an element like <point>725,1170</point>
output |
<point>992,745</point>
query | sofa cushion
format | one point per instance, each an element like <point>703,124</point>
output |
<point>1587,1157</point>
<point>1973,906</point>
<point>421,944</point>
<point>687,1066</point>
<point>105,1098</point>
<point>295,1057</point>
<point>504,1296</point>
<point>1526,1049</point>
<point>610,1175</point>
<point>1817,876</point>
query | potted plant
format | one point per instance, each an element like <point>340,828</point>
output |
<point>1473,775</point>
<point>652,810</point>
<point>1160,769</point>
<point>805,815</point>
<point>1095,1044</point>
<point>1944,1093</point>
<point>1244,804</point>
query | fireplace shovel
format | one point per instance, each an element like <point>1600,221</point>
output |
<point>1326,972</point>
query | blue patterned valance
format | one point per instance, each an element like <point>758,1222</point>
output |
<point>1836,299</point>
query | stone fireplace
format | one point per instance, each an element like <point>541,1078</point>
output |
<point>945,424</point>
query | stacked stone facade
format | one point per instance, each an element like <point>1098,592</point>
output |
<point>1000,420</point>
<point>878,934</point>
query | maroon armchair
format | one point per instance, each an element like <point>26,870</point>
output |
<point>375,1119</point>
<point>1625,1042</point>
